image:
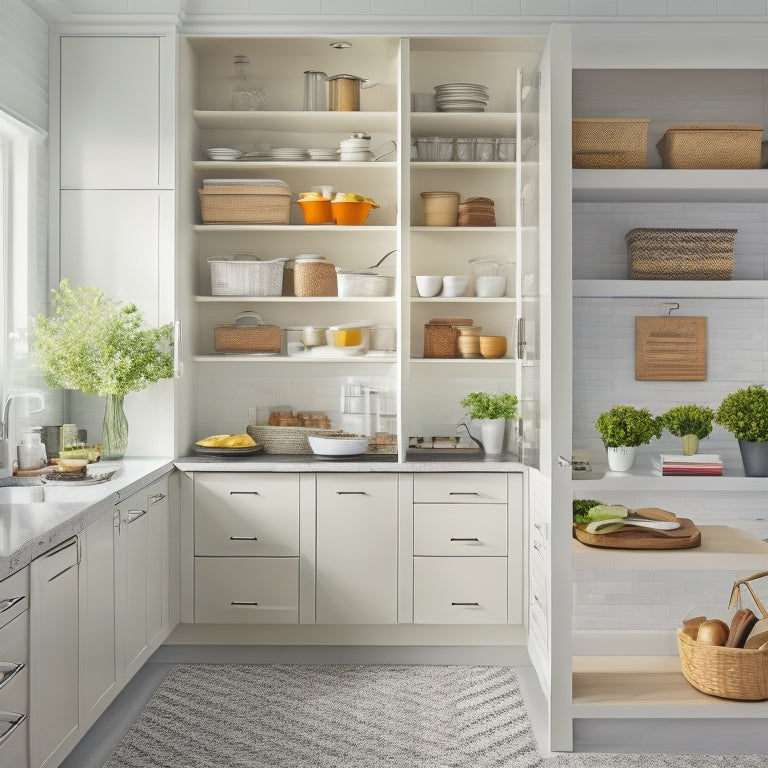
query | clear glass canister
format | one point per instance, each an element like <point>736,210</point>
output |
<point>247,95</point>
<point>485,150</point>
<point>505,150</point>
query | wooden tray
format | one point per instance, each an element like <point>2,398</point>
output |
<point>684,537</point>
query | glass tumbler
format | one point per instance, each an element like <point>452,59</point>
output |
<point>465,150</point>
<point>485,150</point>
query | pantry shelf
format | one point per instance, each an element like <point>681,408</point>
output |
<point>294,120</point>
<point>670,289</point>
<point>296,299</point>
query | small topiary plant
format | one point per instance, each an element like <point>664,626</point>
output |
<point>744,413</point>
<point>689,420</point>
<point>627,426</point>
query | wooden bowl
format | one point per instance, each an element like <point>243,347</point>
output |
<point>493,346</point>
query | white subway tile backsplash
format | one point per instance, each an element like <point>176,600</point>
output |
<point>642,7</point>
<point>448,7</point>
<point>692,7</point>
<point>545,7</point>
<point>594,7</point>
<point>496,7</point>
<point>741,7</point>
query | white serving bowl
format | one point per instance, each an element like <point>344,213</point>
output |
<point>337,446</point>
<point>455,285</point>
<point>429,285</point>
<point>490,286</point>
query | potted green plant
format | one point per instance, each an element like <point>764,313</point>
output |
<point>99,346</point>
<point>744,413</point>
<point>491,411</point>
<point>690,423</point>
<point>622,429</point>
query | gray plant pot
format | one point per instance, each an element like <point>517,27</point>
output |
<point>754,456</point>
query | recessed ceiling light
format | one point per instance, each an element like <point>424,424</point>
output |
<point>339,44</point>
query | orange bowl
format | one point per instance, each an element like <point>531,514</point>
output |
<point>351,212</point>
<point>493,346</point>
<point>316,211</point>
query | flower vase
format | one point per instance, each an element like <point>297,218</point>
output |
<point>621,459</point>
<point>492,434</point>
<point>690,444</point>
<point>114,435</point>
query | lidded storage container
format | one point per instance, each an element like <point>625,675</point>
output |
<point>441,209</point>
<point>609,142</point>
<point>313,276</point>
<point>244,274</point>
<point>248,335</point>
<point>711,145</point>
<point>245,201</point>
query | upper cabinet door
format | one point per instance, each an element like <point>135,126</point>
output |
<point>111,113</point>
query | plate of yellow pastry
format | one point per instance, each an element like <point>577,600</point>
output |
<point>227,445</point>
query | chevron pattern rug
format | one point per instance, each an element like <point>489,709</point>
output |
<point>332,716</point>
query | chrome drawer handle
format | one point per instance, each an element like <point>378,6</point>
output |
<point>351,493</point>
<point>477,604</point>
<point>16,719</point>
<point>470,538</point>
<point>243,493</point>
<point>243,602</point>
<point>463,493</point>
<point>134,515</point>
<point>9,670</point>
<point>243,538</point>
<point>156,497</point>
<point>9,602</point>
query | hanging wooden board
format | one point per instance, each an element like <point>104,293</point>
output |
<point>670,348</point>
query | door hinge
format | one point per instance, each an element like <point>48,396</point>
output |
<point>539,80</point>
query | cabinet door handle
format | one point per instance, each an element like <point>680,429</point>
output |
<point>243,602</point>
<point>463,493</point>
<point>61,573</point>
<point>477,604</point>
<point>61,547</point>
<point>243,538</point>
<point>16,719</point>
<point>468,538</point>
<point>134,515</point>
<point>9,602</point>
<point>351,493</point>
<point>156,497</point>
<point>243,493</point>
<point>9,670</point>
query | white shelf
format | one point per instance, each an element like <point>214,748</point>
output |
<point>466,361</point>
<point>465,123</point>
<point>217,228</point>
<point>245,168</point>
<point>621,687</point>
<point>472,230</point>
<point>455,165</point>
<point>722,548</point>
<point>296,120</point>
<point>668,185</point>
<point>296,299</point>
<point>462,300</point>
<point>278,359</point>
<point>672,289</point>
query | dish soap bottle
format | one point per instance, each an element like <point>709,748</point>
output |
<point>246,95</point>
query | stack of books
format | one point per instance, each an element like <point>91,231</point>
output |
<point>698,464</point>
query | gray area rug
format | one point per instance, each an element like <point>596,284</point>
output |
<point>354,716</point>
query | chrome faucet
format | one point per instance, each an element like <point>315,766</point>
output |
<point>37,404</point>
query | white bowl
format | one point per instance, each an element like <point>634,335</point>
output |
<point>490,286</point>
<point>337,446</point>
<point>455,285</point>
<point>429,285</point>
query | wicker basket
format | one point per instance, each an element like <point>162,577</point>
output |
<point>247,339</point>
<point>246,276</point>
<point>245,204</point>
<point>680,254</point>
<point>363,284</point>
<point>609,143</point>
<point>286,440</point>
<point>712,145</point>
<point>440,340</point>
<point>314,277</point>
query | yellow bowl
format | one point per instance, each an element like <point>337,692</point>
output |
<point>351,212</point>
<point>493,346</point>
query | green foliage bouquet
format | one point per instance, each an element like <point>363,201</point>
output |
<point>626,426</point>
<point>98,346</point>
<point>689,420</point>
<point>483,405</point>
<point>745,414</point>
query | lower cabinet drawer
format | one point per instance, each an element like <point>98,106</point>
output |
<point>13,740</point>
<point>14,596</point>
<point>247,590</point>
<point>460,529</point>
<point>14,683</point>
<point>460,590</point>
<point>460,488</point>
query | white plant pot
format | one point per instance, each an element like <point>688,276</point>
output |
<point>621,459</point>
<point>492,434</point>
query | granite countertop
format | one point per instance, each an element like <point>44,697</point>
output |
<point>28,530</point>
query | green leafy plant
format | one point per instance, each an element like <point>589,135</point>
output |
<point>484,405</point>
<point>625,425</point>
<point>581,509</point>
<point>745,414</point>
<point>99,346</point>
<point>692,419</point>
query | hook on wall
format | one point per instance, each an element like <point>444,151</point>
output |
<point>673,305</point>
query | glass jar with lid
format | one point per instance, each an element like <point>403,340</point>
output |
<point>247,95</point>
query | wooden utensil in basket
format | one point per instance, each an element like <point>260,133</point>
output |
<point>759,633</point>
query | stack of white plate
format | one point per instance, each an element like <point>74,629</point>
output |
<point>288,154</point>
<point>323,154</point>
<point>255,155</point>
<point>461,97</point>
<point>223,153</point>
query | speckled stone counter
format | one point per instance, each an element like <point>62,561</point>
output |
<point>28,530</point>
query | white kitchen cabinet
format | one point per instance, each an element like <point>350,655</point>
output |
<point>14,664</point>
<point>356,580</point>
<point>54,654</point>
<point>112,113</point>
<point>98,661</point>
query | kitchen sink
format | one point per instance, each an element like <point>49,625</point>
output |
<point>21,494</point>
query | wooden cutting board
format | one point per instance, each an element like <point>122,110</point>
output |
<point>630,537</point>
<point>670,348</point>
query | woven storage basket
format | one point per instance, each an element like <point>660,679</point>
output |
<point>731,673</point>
<point>286,440</point>
<point>440,340</point>
<point>245,204</point>
<point>363,284</point>
<point>314,278</point>
<point>708,145</point>
<point>609,143</point>
<point>246,276</point>
<point>247,339</point>
<point>680,254</point>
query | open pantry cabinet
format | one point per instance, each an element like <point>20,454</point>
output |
<point>627,604</point>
